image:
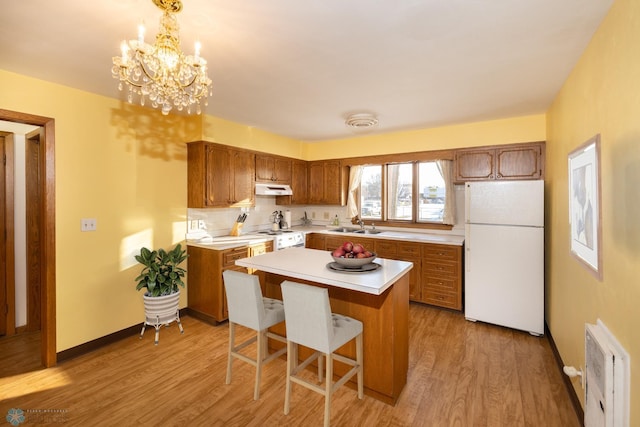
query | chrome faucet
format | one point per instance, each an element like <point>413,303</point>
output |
<point>361,223</point>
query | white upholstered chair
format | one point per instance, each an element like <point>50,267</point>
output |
<point>310,323</point>
<point>248,308</point>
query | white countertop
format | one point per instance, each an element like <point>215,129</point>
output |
<point>311,264</point>
<point>406,236</point>
<point>229,242</point>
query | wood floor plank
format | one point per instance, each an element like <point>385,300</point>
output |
<point>460,374</point>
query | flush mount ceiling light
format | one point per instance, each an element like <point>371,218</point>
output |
<point>361,121</point>
<point>161,72</point>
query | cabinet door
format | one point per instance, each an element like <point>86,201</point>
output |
<point>282,170</point>
<point>273,169</point>
<point>315,241</point>
<point>264,168</point>
<point>316,183</point>
<point>474,165</point>
<point>332,179</point>
<point>299,183</point>
<point>218,176</point>
<point>242,168</point>
<point>520,162</point>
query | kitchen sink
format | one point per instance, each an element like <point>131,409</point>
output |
<point>355,230</point>
<point>368,231</point>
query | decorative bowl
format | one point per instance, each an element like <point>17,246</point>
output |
<point>354,262</point>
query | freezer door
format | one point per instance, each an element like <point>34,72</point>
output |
<point>504,276</point>
<point>505,203</point>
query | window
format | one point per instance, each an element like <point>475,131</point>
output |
<point>412,192</point>
<point>371,192</point>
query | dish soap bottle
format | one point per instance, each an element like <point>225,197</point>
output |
<point>336,221</point>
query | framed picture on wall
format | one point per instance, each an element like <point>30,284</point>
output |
<point>585,217</point>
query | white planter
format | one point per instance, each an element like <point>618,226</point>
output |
<point>159,311</point>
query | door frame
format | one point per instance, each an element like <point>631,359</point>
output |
<point>9,240</point>
<point>48,285</point>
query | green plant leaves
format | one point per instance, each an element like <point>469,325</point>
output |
<point>161,274</point>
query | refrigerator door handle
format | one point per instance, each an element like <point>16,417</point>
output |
<point>467,247</point>
<point>467,203</point>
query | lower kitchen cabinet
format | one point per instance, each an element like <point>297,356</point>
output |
<point>441,281</point>
<point>205,289</point>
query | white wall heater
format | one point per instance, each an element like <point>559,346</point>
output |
<point>606,379</point>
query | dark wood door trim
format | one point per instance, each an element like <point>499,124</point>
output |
<point>8,250</point>
<point>48,286</point>
<point>34,145</point>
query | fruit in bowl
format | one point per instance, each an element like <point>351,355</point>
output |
<point>352,255</point>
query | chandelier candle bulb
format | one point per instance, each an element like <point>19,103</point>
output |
<point>141,33</point>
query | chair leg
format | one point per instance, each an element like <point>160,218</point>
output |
<point>328,391</point>
<point>320,367</point>
<point>232,337</point>
<point>360,369</point>
<point>292,355</point>
<point>259,358</point>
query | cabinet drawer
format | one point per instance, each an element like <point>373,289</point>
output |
<point>441,284</point>
<point>386,249</point>
<point>409,250</point>
<point>448,269</point>
<point>440,252</point>
<point>231,256</point>
<point>442,299</point>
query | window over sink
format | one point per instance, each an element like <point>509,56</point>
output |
<point>410,192</point>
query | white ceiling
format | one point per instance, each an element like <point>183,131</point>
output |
<point>299,68</point>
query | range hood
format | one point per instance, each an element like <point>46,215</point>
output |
<point>273,189</point>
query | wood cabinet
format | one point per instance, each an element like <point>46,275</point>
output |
<point>273,169</point>
<point>315,241</point>
<point>219,176</point>
<point>299,188</point>
<point>206,298</point>
<point>441,281</point>
<point>507,162</point>
<point>327,184</point>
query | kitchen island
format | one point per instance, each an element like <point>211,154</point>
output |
<point>379,299</point>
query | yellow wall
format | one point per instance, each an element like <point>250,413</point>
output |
<point>492,132</point>
<point>602,95</point>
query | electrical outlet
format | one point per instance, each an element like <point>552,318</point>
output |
<point>325,215</point>
<point>201,225</point>
<point>313,215</point>
<point>88,224</point>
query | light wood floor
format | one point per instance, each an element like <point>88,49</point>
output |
<point>460,374</point>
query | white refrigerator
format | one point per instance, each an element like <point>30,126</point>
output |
<point>504,254</point>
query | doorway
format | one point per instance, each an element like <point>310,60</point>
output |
<point>44,250</point>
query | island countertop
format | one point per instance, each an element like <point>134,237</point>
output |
<point>311,265</point>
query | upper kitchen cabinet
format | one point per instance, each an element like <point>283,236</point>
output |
<point>219,176</point>
<point>298,185</point>
<point>273,169</point>
<point>505,162</point>
<point>328,180</point>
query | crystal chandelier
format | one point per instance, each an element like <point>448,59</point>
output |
<point>161,72</point>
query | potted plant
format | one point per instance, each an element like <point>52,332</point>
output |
<point>160,277</point>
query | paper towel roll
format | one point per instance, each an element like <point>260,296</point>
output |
<point>287,219</point>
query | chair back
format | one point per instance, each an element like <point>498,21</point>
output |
<point>244,299</point>
<point>307,314</point>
